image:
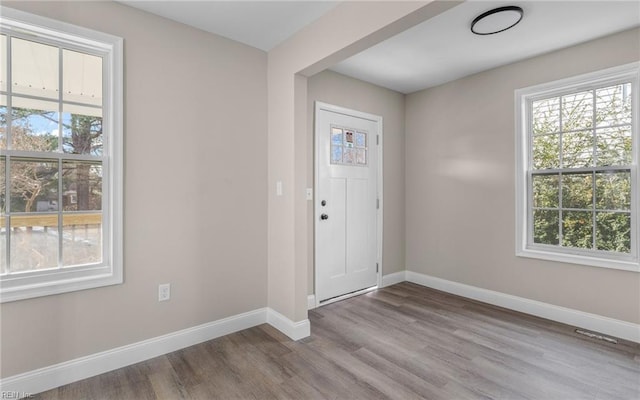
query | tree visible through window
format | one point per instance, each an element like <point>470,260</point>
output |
<point>48,119</point>
<point>577,170</point>
<point>59,151</point>
<point>581,169</point>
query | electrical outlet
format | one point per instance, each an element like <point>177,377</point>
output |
<point>164,292</point>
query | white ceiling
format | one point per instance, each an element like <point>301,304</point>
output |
<point>260,24</point>
<point>439,50</point>
<point>443,48</point>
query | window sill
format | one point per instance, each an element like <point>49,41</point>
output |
<point>593,261</point>
<point>21,289</point>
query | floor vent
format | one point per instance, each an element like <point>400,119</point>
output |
<point>597,336</point>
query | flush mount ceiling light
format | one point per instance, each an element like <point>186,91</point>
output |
<point>497,20</point>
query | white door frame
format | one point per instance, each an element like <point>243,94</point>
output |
<point>316,205</point>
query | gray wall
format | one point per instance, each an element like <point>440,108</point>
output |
<point>195,193</point>
<point>333,88</point>
<point>460,198</point>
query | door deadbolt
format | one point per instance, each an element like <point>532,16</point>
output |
<point>323,203</point>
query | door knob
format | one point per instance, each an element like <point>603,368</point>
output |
<point>324,216</point>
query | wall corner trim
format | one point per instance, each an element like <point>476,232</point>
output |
<point>392,279</point>
<point>610,326</point>
<point>53,376</point>
<point>311,302</point>
<point>295,330</point>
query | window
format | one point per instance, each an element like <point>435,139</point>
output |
<point>577,169</point>
<point>348,147</point>
<point>60,157</point>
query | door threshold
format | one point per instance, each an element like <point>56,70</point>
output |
<point>347,296</point>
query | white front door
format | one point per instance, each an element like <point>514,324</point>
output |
<point>346,201</point>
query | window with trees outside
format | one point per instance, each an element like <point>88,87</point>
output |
<point>60,157</point>
<point>577,177</point>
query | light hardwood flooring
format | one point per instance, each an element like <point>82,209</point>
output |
<point>401,342</point>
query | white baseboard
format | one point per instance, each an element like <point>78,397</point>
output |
<point>295,330</point>
<point>594,322</point>
<point>311,302</point>
<point>53,376</point>
<point>392,279</point>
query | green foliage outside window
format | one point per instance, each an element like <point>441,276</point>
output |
<point>581,179</point>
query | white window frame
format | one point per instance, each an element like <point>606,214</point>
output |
<point>524,240</point>
<point>110,271</point>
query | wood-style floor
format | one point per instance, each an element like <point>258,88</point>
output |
<point>401,342</point>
